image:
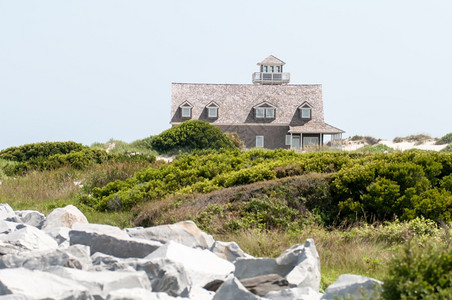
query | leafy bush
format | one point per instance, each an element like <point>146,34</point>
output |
<point>140,147</point>
<point>39,150</point>
<point>420,273</point>
<point>447,139</point>
<point>191,135</point>
<point>448,148</point>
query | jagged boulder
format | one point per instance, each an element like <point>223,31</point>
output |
<point>100,284</point>
<point>201,266</point>
<point>7,226</point>
<point>138,294</point>
<point>228,250</point>
<point>165,275</point>
<point>233,289</point>
<point>60,235</point>
<point>298,293</point>
<point>76,256</point>
<point>110,240</point>
<point>31,217</point>
<point>353,287</point>
<point>261,285</point>
<point>40,285</point>
<point>64,217</point>
<point>6,212</point>
<point>300,265</point>
<point>185,233</point>
<point>25,238</point>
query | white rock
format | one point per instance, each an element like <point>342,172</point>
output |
<point>60,235</point>
<point>306,272</point>
<point>26,238</point>
<point>100,284</point>
<point>298,293</point>
<point>202,266</point>
<point>64,217</point>
<point>7,226</point>
<point>185,233</point>
<point>31,217</point>
<point>6,211</point>
<point>165,275</point>
<point>14,297</point>
<point>228,250</point>
<point>198,293</point>
<point>139,294</point>
<point>233,289</point>
<point>300,265</point>
<point>76,256</point>
<point>40,285</point>
<point>110,240</point>
<point>353,287</point>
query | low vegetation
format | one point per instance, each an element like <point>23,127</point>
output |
<point>365,139</point>
<point>418,139</point>
<point>447,139</point>
<point>54,155</point>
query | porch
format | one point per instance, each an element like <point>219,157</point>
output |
<point>314,135</point>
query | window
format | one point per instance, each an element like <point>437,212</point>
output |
<point>269,112</point>
<point>288,139</point>
<point>213,112</point>
<point>278,69</point>
<point>272,68</point>
<point>260,112</point>
<point>305,113</point>
<point>265,69</point>
<point>260,141</point>
<point>186,112</point>
<point>310,141</point>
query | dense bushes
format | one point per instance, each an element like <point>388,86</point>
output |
<point>39,150</point>
<point>420,273</point>
<point>447,139</point>
<point>54,155</point>
<point>191,135</point>
<point>365,187</point>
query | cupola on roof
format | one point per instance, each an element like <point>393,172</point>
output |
<point>271,61</point>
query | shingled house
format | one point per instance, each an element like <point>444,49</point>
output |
<point>269,113</point>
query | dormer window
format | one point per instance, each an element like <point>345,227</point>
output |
<point>185,109</point>
<point>305,111</point>
<point>212,110</point>
<point>265,110</point>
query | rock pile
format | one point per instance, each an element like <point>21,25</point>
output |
<point>62,256</point>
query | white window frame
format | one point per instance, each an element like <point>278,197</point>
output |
<point>271,115</point>
<point>305,113</point>
<point>186,109</point>
<point>259,141</point>
<point>260,112</point>
<point>212,112</point>
<point>288,139</point>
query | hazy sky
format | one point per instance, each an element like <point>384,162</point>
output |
<point>91,70</point>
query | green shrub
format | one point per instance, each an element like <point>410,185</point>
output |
<point>447,139</point>
<point>39,150</point>
<point>365,139</point>
<point>420,273</point>
<point>191,135</point>
<point>447,149</point>
<point>418,139</point>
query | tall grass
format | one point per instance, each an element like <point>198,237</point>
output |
<point>47,190</point>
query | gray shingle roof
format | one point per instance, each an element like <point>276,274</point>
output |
<point>236,101</point>
<point>271,61</point>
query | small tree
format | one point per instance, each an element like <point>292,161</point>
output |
<point>191,135</point>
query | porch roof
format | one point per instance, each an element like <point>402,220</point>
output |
<point>315,127</point>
